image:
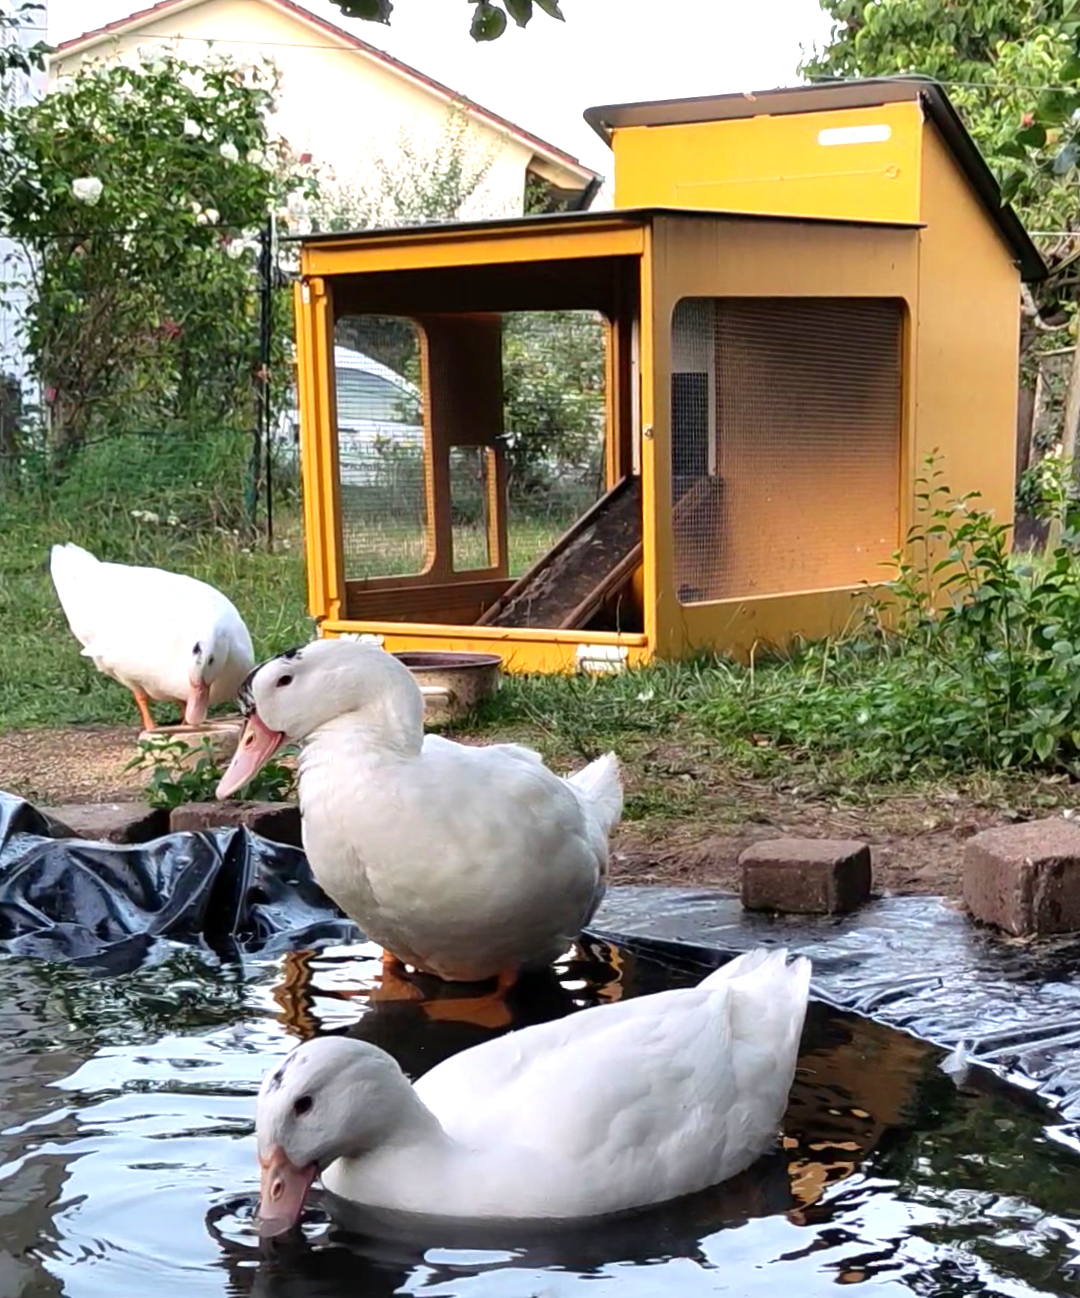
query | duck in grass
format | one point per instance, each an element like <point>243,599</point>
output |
<point>161,634</point>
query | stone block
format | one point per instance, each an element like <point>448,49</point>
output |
<point>111,822</point>
<point>277,821</point>
<point>805,876</point>
<point>222,734</point>
<point>1025,879</point>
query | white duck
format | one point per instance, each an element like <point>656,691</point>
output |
<point>466,862</point>
<point>163,635</point>
<point>616,1107</point>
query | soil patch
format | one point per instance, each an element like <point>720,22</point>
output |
<point>73,764</point>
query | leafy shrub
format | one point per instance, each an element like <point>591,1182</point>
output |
<point>181,772</point>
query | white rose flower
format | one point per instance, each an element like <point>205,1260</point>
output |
<point>154,57</point>
<point>191,128</point>
<point>212,216</point>
<point>229,152</point>
<point>87,189</point>
<point>202,219</point>
<point>64,85</point>
<point>256,157</point>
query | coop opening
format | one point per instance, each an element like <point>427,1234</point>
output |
<point>785,444</point>
<point>485,446</point>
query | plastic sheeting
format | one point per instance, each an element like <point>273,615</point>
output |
<point>914,963</point>
<point>114,907</point>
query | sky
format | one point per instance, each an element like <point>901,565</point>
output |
<point>545,76</point>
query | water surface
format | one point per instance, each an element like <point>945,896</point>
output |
<point>127,1160</point>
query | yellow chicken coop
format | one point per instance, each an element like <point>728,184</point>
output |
<point>589,439</point>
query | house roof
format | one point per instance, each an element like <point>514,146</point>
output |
<point>166,7</point>
<point>826,96</point>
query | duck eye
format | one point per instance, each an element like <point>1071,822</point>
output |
<point>210,660</point>
<point>284,680</point>
<point>302,1105</point>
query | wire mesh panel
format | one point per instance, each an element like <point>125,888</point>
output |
<point>555,417</point>
<point>380,443</point>
<point>470,491</point>
<point>785,421</point>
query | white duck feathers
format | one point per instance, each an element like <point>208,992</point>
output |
<point>462,860</point>
<point>611,1108</point>
<point>139,625</point>
<point>465,860</point>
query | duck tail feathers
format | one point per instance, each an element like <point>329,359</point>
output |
<point>74,574</point>
<point>70,561</point>
<point>763,965</point>
<point>600,783</point>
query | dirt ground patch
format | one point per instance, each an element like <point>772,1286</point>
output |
<point>689,840</point>
<point>911,861</point>
<point>78,764</point>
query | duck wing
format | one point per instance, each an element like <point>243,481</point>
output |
<point>667,1093</point>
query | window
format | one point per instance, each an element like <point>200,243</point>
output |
<point>785,444</point>
<point>380,445</point>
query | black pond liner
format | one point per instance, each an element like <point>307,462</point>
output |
<point>914,963</point>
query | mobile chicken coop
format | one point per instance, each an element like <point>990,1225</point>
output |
<point>798,296</point>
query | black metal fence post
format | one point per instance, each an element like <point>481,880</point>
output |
<point>261,441</point>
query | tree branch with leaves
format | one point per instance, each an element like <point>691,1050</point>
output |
<point>489,17</point>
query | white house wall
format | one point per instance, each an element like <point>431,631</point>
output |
<point>342,105</point>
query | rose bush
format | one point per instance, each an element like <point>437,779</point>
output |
<point>139,189</point>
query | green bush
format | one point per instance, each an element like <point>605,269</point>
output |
<point>182,772</point>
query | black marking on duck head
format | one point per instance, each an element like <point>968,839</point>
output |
<point>278,1075</point>
<point>245,696</point>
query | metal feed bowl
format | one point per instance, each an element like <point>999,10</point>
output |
<point>452,683</point>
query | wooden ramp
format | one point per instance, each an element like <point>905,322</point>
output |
<point>564,588</point>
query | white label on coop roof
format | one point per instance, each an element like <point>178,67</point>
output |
<point>855,134</point>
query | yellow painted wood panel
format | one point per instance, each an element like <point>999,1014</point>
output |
<point>781,165</point>
<point>968,339</point>
<point>743,628</point>
<point>413,251</point>
<point>520,650</point>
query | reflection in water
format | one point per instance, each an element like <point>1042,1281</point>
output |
<point>126,1148</point>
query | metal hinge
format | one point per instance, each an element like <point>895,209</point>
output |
<point>601,658</point>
